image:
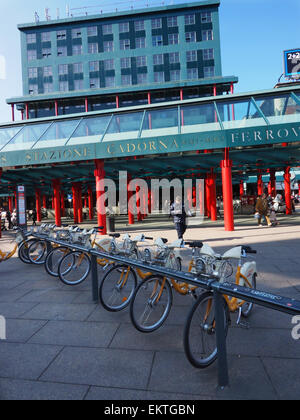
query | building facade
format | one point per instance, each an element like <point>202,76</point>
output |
<point>120,59</point>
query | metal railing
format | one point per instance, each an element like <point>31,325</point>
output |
<point>208,282</point>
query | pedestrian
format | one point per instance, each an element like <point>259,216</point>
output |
<point>219,202</point>
<point>14,217</point>
<point>262,208</point>
<point>8,218</point>
<point>33,217</point>
<point>179,214</point>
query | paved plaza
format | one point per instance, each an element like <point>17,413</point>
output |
<point>61,345</point>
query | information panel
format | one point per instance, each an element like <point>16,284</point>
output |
<point>21,206</point>
<point>292,63</point>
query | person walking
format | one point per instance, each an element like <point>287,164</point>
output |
<point>179,214</point>
<point>33,217</point>
<point>262,208</point>
<point>8,218</point>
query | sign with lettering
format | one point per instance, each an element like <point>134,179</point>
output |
<point>21,206</point>
<point>292,63</point>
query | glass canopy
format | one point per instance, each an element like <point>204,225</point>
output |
<point>161,120</point>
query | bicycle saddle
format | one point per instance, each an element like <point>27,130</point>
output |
<point>115,235</point>
<point>248,249</point>
<point>194,244</point>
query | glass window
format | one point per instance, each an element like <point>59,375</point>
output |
<point>206,17</point>
<point>173,39</point>
<point>92,31</point>
<point>189,19</point>
<point>94,66</point>
<point>76,33</point>
<point>139,25</point>
<point>277,106</point>
<point>191,56</point>
<point>125,63</point>
<point>8,133</point>
<point>209,71</point>
<point>58,134</point>
<point>174,75</point>
<point>124,27</point>
<point>207,35</point>
<point>48,87</point>
<point>32,72</point>
<point>33,89</point>
<point>95,83</point>
<point>208,54</point>
<point>174,57</point>
<point>78,84</point>
<point>126,79</point>
<point>46,36</point>
<point>62,51</point>
<point>156,23</point>
<point>31,55</point>
<point>27,137</point>
<point>46,52</point>
<point>124,123</point>
<point>61,35</point>
<point>90,127</point>
<point>77,49</point>
<point>159,76</point>
<point>141,61</point>
<point>142,78</point>
<point>107,29</point>
<point>93,48</point>
<point>110,81</point>
<point>140,42</point>
<point>195,115</point>
<point>124,44</point>
<point>158,59</point>
<point>31,38</point>
<point>47,71</point>
<point>192,73</point>
<point>160,118</point>
<point>190,36</point>
<point>63,69</point>
<point>64,86</point>
<point>77,68</point>
<point>157,40</point>
<point>109,64</point>
<point>172,21</point>
<point>108,46</point>
<point>239,113</point>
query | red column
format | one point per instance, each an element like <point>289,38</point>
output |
<point>91,204</point>
<point>56,108</point>
<point>62,202</point>
<point>38,205</point>
<point>272,183</point>
<point>129,195</point>
<point>117,101</point>
<point>226,166</point>
<point>260,184</point>
<point>207,197</point>
<point>13,112</point>
<point>101,211</point>
<point>150,200</point>
<point>56,188</point>
<point>79,202</point>
<point>44,199</point>
<point>27,111</point>
<point>287,190</point>
<point>86,102</point>
<point>75,204</point>
<point>241,189</point>
<point>212,196</point>
<point>10,204</point>
<point>138,204</point>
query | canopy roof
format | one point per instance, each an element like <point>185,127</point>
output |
<point>168,139</point>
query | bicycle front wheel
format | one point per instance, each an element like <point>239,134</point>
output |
<point>37,252</point>
<point>74,268</point>
<point>117,288</point>
<point>200,331</point>
<point>54,258</point>
<point>151,303</point>
<point>23,250</point>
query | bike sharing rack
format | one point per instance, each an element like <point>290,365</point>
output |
<point>211,283</point>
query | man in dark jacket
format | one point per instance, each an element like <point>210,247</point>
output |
<point>179,215</point>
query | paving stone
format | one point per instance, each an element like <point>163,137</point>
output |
<point>70,333</point>
<point>59,312</point>
<point>50,296</point>
<point>101,367</point>
<point>25,361</point>
<point>21,330</point>
<point>12,389</point>
<point>15,310</point>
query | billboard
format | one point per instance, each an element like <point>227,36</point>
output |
<point>292,63</point>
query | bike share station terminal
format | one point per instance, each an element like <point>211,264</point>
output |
<point>223,139</point>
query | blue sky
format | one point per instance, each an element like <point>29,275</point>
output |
<point>254,34</point>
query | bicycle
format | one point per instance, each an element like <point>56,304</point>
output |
<point>200,328</point>
<point>22,244</point>
<point>119,282</point>
<point>39,248</point>
<point>153,297</point>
